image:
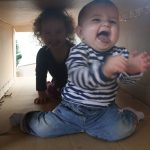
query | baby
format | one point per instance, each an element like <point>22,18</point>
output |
<point>95,66</point>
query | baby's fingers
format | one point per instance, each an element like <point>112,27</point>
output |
<point>144,55</point>
<point>134,53</point>
<point>146,59</point>
<point>146,63</point>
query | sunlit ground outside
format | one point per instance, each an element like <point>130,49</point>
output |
<point>28,46</point>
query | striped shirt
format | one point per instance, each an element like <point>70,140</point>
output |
<point>87,85</point>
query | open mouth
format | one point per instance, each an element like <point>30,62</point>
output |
<point>104,36</point>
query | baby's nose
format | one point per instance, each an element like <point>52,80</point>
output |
<point>53,37</point>
<point>105,23</point>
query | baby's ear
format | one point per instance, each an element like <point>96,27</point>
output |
<point>78,31</point>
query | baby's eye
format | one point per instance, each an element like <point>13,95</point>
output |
<point>46,33</point>
<point>112,22</point>
<point>59,31</point>
<point>96,20</point>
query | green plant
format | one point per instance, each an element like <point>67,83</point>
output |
<point>18,54</point>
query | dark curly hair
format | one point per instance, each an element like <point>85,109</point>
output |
<point>54,14</point>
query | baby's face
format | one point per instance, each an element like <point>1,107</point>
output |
<point>100,27</point>
<point>53,33</point>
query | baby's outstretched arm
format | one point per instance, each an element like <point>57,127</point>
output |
<point>138,62</point>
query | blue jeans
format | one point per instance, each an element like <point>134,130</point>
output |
<point>108,123</point>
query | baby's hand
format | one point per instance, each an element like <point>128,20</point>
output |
<point>42,99</point>
<point>138,62</point>
<point>115,64</point>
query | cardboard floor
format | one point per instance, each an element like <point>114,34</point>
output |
<point>21,100</point>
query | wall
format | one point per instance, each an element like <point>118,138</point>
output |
<point>24,28</point>
<point>6,57</point>
<point>135,35</point>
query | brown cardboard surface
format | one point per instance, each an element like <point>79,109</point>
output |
<point>22,101</point>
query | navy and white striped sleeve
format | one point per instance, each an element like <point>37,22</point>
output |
<point>82,73</point>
